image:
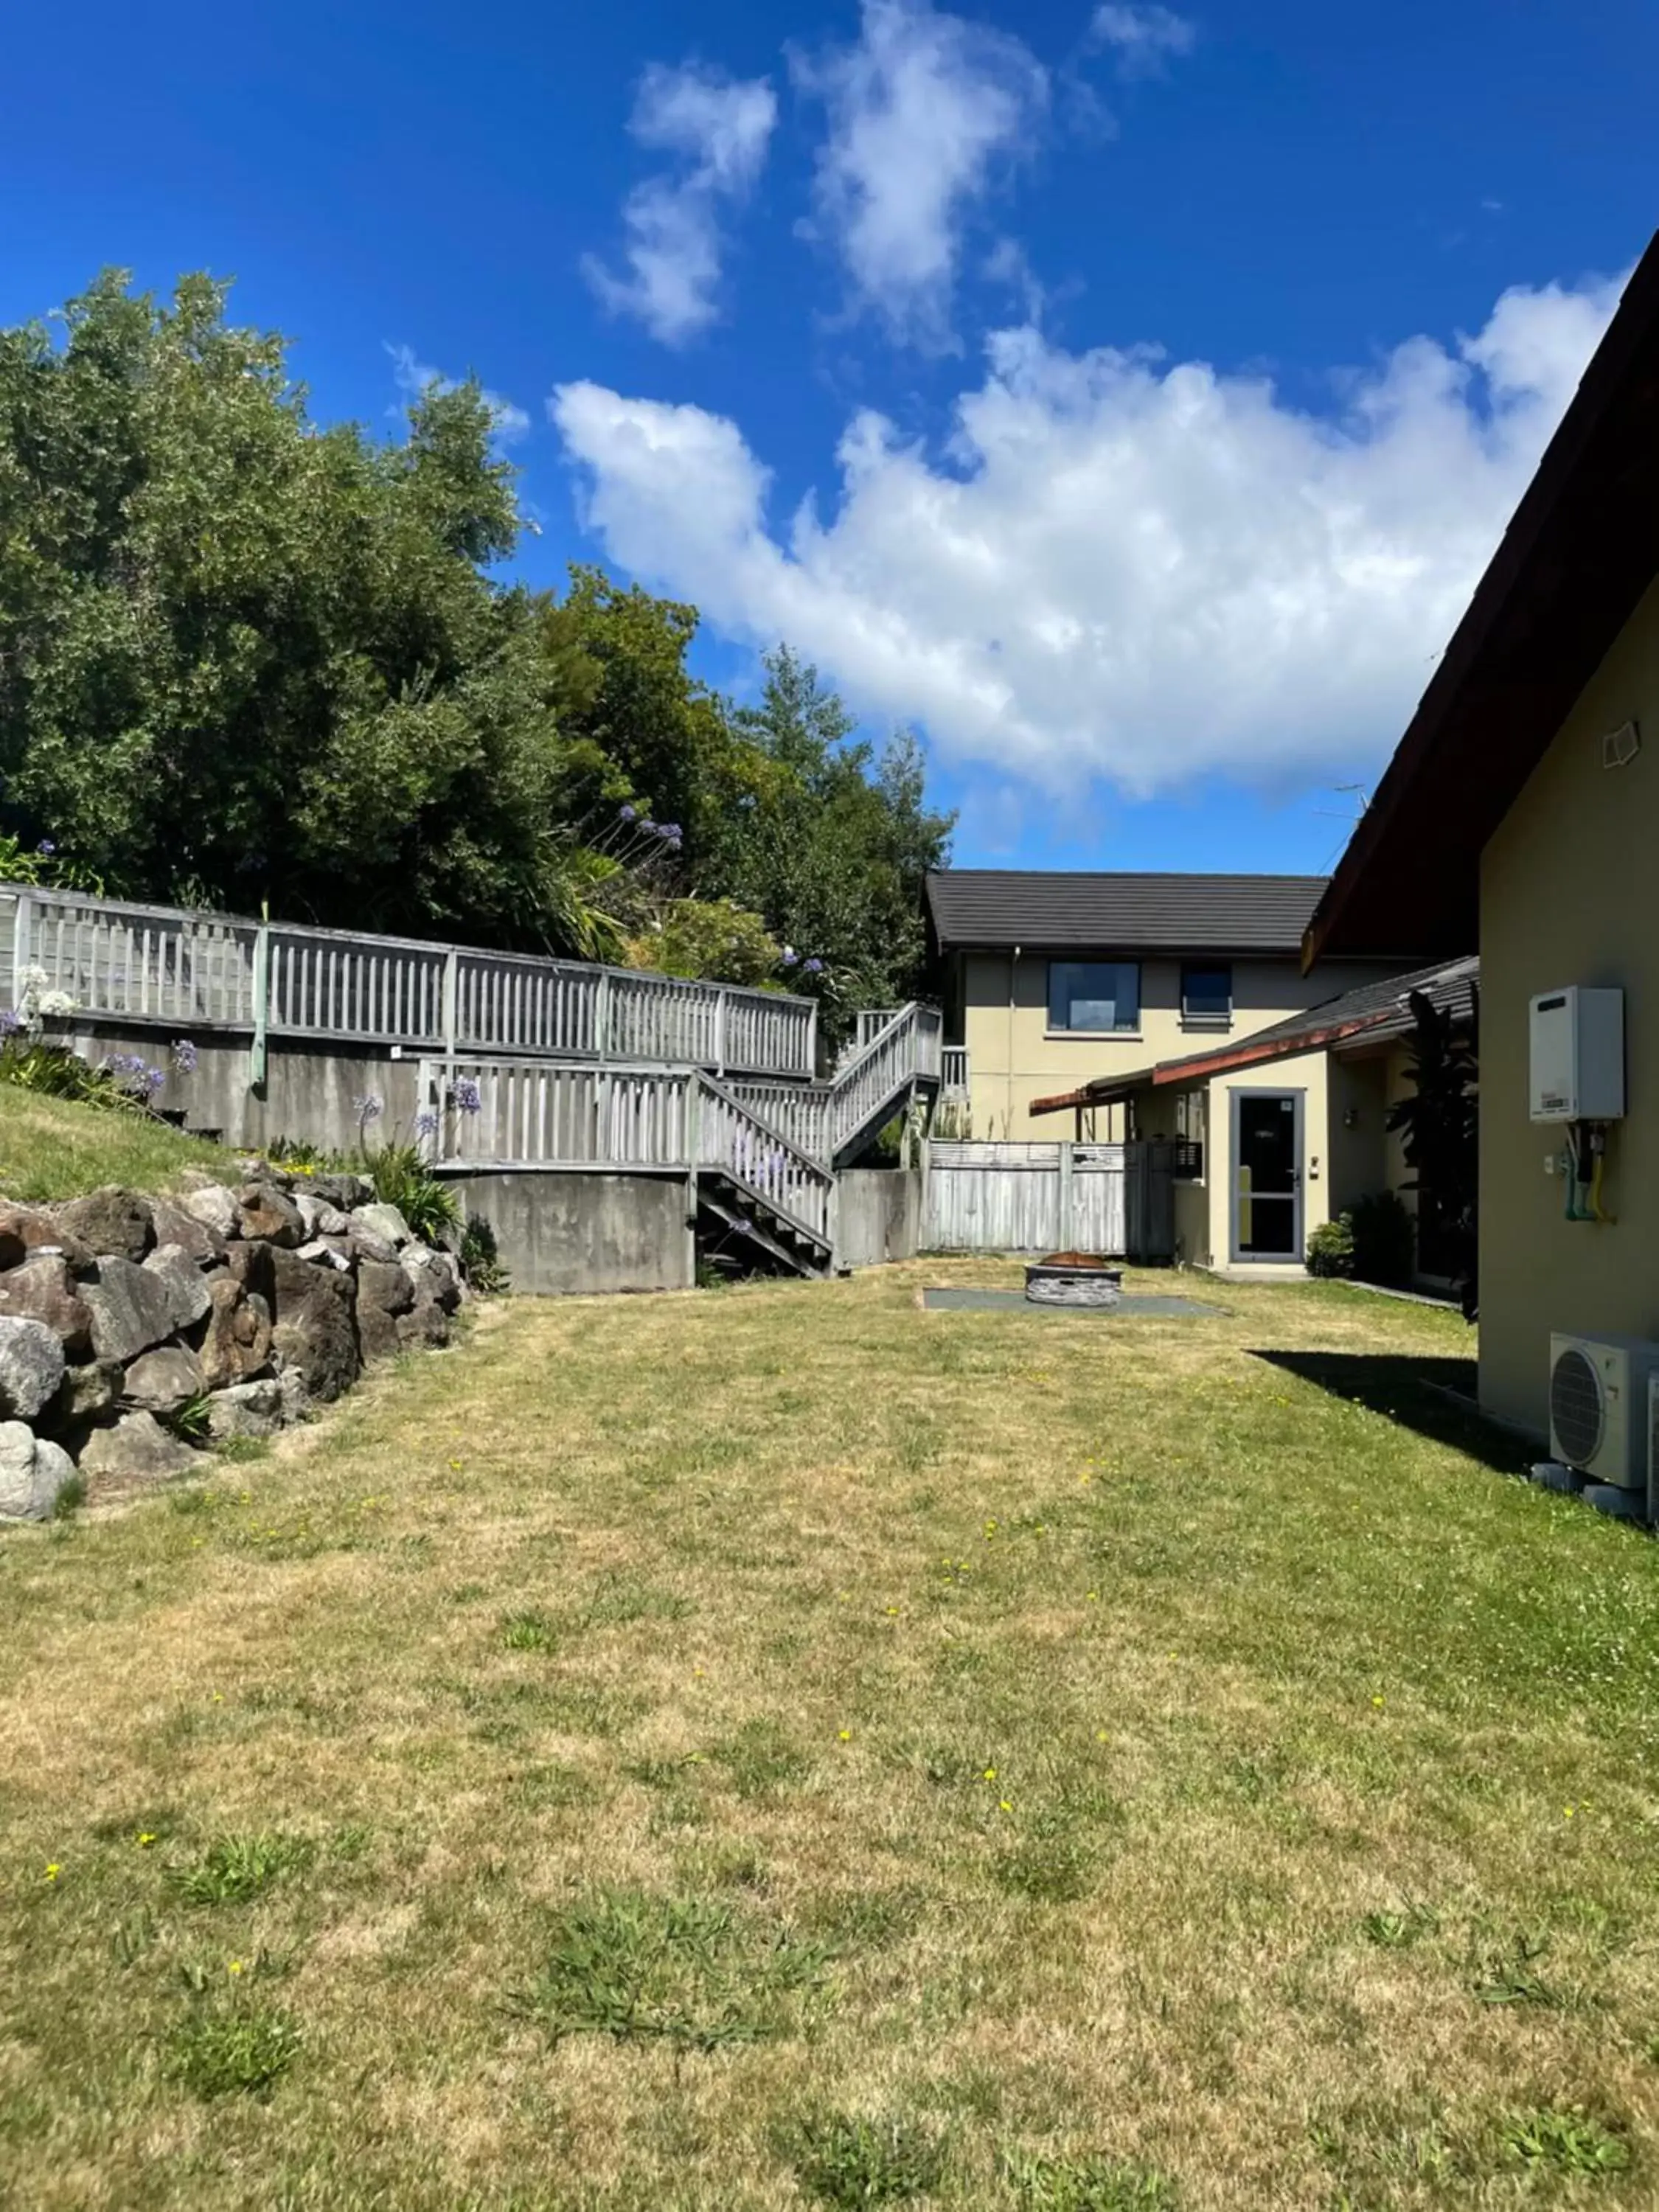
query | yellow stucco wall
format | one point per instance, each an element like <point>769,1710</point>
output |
<point>1014,1058</point>
<point>1570,894</point>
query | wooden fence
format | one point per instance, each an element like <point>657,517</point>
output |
<point>988,1197</point>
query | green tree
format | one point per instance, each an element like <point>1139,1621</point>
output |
<point>245,657</point>
<point>829,843</point>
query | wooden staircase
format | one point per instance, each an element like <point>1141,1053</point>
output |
<point>764,1156</point>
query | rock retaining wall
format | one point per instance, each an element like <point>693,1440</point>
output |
<point>231,1309</point>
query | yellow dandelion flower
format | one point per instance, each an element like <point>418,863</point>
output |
<point>235,1966</point>
<point>145,1839</point>
<point>1004,1807</point>
<point>1379,1701</point>
<point>53,1871</point>
<point>845,1736</point>
<point>990,1774</point>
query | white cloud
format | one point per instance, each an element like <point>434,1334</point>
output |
<point>1116,567</point>
<point>413,377</point>
<point>1143,37</point>
<point>720,130</point>
<point>924,113</point>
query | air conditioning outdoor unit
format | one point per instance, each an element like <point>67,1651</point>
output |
<point>1600,1401</point>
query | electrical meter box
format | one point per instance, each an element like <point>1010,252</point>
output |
<point>1578,1055</point>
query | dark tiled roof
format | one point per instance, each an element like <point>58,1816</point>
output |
<point>1105,913</point>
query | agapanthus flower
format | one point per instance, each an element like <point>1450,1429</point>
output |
<point>45,848</point>
<point>465,1095</point>
<point>790,955</point>
<point>628,814</point>
<point>183,1055</point>
<point>369,1108</point>
<point>813,968</point>
<point>426,1123</point>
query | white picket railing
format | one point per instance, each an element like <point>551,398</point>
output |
<point>751,1152</point>
<point>497,1113</point>
<point>953,1070</point>
<point>906,1050</point>
<point>123,961</point>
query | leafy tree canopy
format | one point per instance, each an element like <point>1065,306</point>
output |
<point>246,658</point>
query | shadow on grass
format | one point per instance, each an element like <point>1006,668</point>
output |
<point>1435,1397</point>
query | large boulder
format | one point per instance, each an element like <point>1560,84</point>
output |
<point>216,1208</point>
<point>31,1367</point>
<point>328,1251</point>
<point>236,1345</point>
<point>134,1447</point>
<point>27,1230</point>
<point>316,1331</point>
<point>365,1245</point>
<point>253,1267</point>
<point>182,1280</point>
<point>32,1471</point>
<point>384,1292</point>
<point>175,1224</point>
<point>382,1221</point>
<point>111,1220</point>
<point>164,1380</point>
<point>85,1392</point>
<point>341,1191</point>
<point>268,1214</point>
<point>42,1289</point>
<point>246,1409</point>
<point>321,1218</point>
<point>130,1308</point>
<point>433,1274</point>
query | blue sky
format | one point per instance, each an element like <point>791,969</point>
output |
<point>1159,378</point>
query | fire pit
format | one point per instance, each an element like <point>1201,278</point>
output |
<point>1073,1279</point>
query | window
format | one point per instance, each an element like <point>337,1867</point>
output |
<point>1206,994</point>
<point>1189,1135</point>
<point>1094,994</point>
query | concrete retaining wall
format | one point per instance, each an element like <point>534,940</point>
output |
<point>561,1234</point>
<point>880,1216</point>
<point>311,1089</point>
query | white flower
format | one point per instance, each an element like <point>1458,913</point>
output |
<point>56,1002</point>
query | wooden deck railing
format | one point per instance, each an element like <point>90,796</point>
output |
<point>500,1114</point>
<point>126,962</point>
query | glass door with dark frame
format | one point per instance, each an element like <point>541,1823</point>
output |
<point>1268,1175</point>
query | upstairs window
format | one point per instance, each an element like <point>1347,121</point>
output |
<point>1098,996</point>
<point>1206,994</point>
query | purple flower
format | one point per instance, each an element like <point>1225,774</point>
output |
<point>184,1056</point>
<point>10,1023</point>
<point>813,968</point>
<point>426,1123</point>
<point>45,848</point>
<point>649,826</point>
<point>790,956</point>
<point>465,1095</point>
<point>369,1108</point>
<point>155,1078</point>
<point>670,830</point>
<point>629,813</point>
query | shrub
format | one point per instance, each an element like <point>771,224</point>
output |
<point>481,1260</point>
<point>1330,1248</point>
<point>1384,1240</point>
<point>402,1178</point>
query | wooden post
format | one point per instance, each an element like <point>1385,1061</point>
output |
<point>256,1070</point>
<point>451,1014</point>
<point>722,999</point>
<point>693,1149</point>
<point>1065,1206</point>
<point>602,1016</point>
<point>21,947</point>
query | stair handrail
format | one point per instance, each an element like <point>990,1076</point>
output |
<point>812,1175</point>
<point>897,1050</point>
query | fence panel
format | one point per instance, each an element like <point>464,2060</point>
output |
<point>988,1197</point>
<point>325,983</point>
<point>532,1113</point>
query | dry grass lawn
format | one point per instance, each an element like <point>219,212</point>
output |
<point>777,1747</point>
